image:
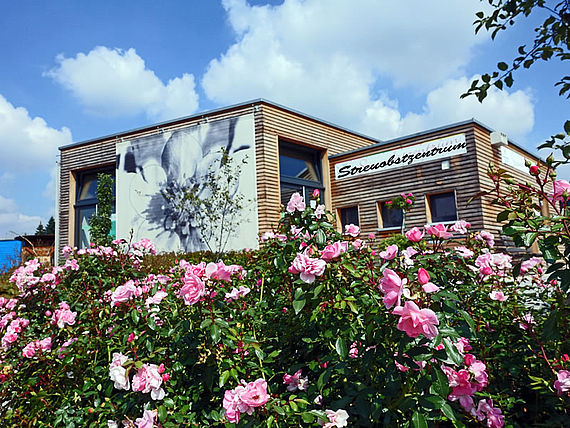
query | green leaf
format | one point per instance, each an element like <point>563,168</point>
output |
<point>419,420</point>
<point>469,321</point>
<point>448,411</point>
<point>503,66</point>
<point>215,333</point>
<point>567,127</point>
<point>341,348</point>
<point>298,305</point>
<point>529,238</point>
<point>320,237</point>
<point>452,351</point>
<point>551,330</point>
<point>161,413</point>
<point>224,378</point>
<point>135,316</point>
<point>206,323</point>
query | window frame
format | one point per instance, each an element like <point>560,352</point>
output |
<point>429,208</point>
<point>316,156</point>
<point>340,225</point>
<point>380,217</point>
<point>88,203</point>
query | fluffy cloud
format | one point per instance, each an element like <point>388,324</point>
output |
<point>512,113</point>
<point>26,142</point>
<point>328,57</point>
<point>113,82</point>
<point>12,221</point>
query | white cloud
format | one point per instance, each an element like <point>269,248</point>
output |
<point>12,222</point>
<point>26,142</point>
<point>328,57</point>
<point>113,82</point>
<point>511,113</point>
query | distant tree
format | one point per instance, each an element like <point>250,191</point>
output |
<point>50,227</point>
<point>101,223</point>
<point>40,229</point>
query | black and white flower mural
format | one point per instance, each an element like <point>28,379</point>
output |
<point>155,174</point>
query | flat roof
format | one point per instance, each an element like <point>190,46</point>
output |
<point>252,103</point>
<point>429,131</point>
<point>204,114</point>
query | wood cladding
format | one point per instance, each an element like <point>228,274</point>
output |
<point>465,177</point>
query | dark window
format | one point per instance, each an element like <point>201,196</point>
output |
<point>442,207</point>
<point>300,171</point>
<point>349,215</point>
<point>391,217</point>
<point>86,205</point>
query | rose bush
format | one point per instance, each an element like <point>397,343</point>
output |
<point>313,329</point>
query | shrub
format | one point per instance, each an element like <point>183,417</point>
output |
<point>312,329</point>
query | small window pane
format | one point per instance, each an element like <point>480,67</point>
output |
<point>349,216</point>
<point>84,215</point>
<point>298,163</point>
<point>87,187</point>
<point>442,207</point>
<point>391,217</point>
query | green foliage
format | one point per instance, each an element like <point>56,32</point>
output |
<point>100,223</point>
<point>552,40</point>
<point>334,326</point>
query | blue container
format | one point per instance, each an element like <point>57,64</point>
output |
<point>10,254</point>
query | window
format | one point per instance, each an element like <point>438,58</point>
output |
<point>300,171</point>
<point>389,217</point>
<point>348,215</point>
<point>441,207</point>
<point>86,205</point>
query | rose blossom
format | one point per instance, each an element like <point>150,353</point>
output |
<point>414,234</point>
<point>461,226</point>
<point>117,373</point>
<point>334,250</point>
<point>244,399</point>
<point>415,321</point>
<point>487,237</point>
<point>562,383</point>
<point>498,295</point>
<point>148,379</point>
<point>123,293</point>
<point>297,202</point>
<point>320,211</point>
<point>526,321</point>
<point>63,316</point>
<point>335,419</point>
<point>464,252</point>
<point>438,231</point>
<point>352,230</point>
<point>192,290</point>
<point>146,421</point>
<point>308,267</point>
<point>392,286</point>
<point>389,253</point>
<point>295,381</point>
<point>559,188</point>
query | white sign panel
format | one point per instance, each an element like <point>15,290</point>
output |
<point>154,172</point>
<point>514,159</point>
<point>391,159</point>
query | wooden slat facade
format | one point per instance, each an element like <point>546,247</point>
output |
<point>273,123</point>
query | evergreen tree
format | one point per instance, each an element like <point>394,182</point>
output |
<point>50,227</point>
<point>40,229</point>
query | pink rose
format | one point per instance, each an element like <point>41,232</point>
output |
<point>464,252</point>
<point>415,321</point>
<point>392,286</point>
<point>29,350</point>
<point>335,419</point>
<point>297,202</point>
<point>146,421</point>
<point>296,382</point>
<point>148,379</point>
<point>308,267</point>
<point>319,211</point>
<point>316,193</point>
<point>461,226</point>
<point>352,230</point>
<point>192,290</point>
<point>562,383</point>
<point>123,293</point>
<point>334,250</point>
<point>487,237</point>
<point>414,234</point>
<point>389,253</point>
<point>498,295</point>
<point>560,190</point>
<point>63,316</point>
<point>438,231</point>
<point>423,276</point>
<point>255,394</point>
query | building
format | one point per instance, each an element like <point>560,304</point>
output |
<point>283,151</point>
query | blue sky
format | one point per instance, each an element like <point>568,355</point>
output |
<point>73,70</point>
